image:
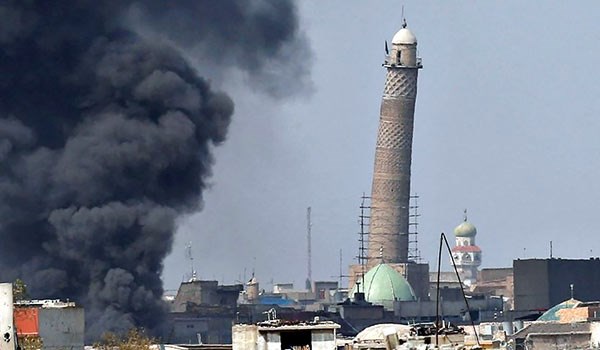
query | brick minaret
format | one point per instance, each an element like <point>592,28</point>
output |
<point>391,178</point>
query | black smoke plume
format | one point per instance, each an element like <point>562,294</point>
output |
<point>106,134</point>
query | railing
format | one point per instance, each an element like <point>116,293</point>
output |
<point>387,63</point>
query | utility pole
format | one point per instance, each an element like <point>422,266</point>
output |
<point>308,239</point>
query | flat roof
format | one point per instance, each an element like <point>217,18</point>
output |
<point>282,325</point>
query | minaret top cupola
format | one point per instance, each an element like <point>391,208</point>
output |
<point>404,50</point>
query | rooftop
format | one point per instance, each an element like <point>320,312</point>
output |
<point>279,325</point>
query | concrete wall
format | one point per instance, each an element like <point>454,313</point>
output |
<point>595,336</point>
<point>583,274</point>
<point>532,287</point>
<point>185,330</point>
<point>449,309</point>
<point>493,274</point>
<point>245,337</point>
<point>229,294</point>
<point>273,341</point>
<point>323,340</point>
<point>543,283</point>
<point>557,341</point>
<point>363,316</point>
<point>62,328</point>
<point>362,312</point>
<point>322,289</point>
<point>7,331</point>
<point>205,293</point>
<point>418,278</point>
<point>213,328</point>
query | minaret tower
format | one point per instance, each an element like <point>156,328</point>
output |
<point>390,193</point>
<point>466,254</point>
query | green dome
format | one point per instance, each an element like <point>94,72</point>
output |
<point>552,313</point>
<point>383,285</point>
<point>466,229</point>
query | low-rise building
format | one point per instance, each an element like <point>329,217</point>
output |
<point>278,335</point>
<point>52,323</point>
<point>203,312</point>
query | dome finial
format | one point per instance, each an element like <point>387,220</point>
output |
<point>403,18</point>
<point>572,290</point>
<point>465,216</point>
<point>381,254</point>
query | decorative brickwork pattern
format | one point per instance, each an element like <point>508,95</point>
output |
<point>390,161</point>
<point>394,135</point>
<point>386,189</point>
<point>401,82</point>
<point>388,231</point>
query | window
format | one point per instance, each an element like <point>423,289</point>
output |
<point>296,340</point>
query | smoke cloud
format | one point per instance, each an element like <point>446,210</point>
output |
<point>106,134</point>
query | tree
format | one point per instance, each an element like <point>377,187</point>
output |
<point>134,339</point>
<point>19,290</point>
<point>30,342</point>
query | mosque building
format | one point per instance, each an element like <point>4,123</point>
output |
<point>388,227</point>
<point>466,254</point>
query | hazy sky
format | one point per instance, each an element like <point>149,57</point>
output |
<point>506,125</point>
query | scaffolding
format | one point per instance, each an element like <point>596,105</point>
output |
<point>414,254</point>
<point>363,234</point>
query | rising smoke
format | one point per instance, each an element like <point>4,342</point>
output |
<point>106,135</point>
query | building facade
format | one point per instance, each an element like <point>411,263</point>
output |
<point>277,335</point>
<point>203,312</point>
<point>53,323</point>
<point>542,283</point>
<point>6,317</point>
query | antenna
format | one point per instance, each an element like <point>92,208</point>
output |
<point>308,238</point>
<point>341,273</point>
<point>550,249</point>
<point>403,18</point>
<point>190,257</point>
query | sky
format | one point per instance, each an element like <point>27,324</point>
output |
<point>506,126</point>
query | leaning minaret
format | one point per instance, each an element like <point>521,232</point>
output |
<point>390,194</point>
